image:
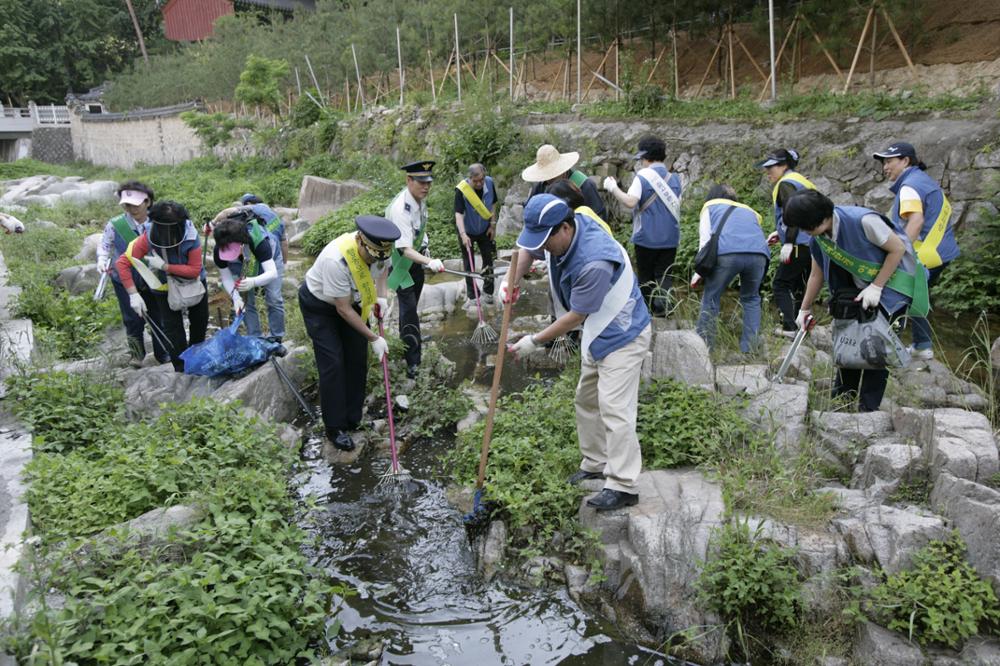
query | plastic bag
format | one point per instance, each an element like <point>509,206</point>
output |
<point>867,343</point>
<point>226,353</point>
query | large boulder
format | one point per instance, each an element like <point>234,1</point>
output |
<point>265,392</point>
<point>320,196</point>
<point>511,217</point>
<point>884,466</point>
<point>748,380</point>
<point>89,250</point>
<point>146,390</point>
<point>652,553</point>
<point>974,510</point>
<point>964,445</point>
<point>439,299</point>
<point>782,409</point>
<point>680,355</point>
<point>79,279</point>
<point>843,437</point>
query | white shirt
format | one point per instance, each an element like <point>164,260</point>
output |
<point>408,216</point>
<point>330,277</point>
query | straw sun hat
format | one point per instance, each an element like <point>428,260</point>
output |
<point>549,163</point>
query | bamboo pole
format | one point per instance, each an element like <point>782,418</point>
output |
<point>677,78</point>
<point>594,78</point>
<point>521,78</point>
<point>656,63</point>
<point>732,64</point>
<point>357,72</point>
<point>770,47</point>
<point>347,93</point>
<point>555,81</point>
<point>138,31</point>
<point>822,47</point>
<point>711,61</point>
<point>399,57</point>
<point>899,41</point>
<point>458,61</point>
<point>430,68</point>
<point>857,51</point>
<point>312,75</point>
<point>298,82</point>
<point>444,77</point>
<point>618,93</point>
<point>579,56</point>
<point>510,70</point>
<point>871,54</point>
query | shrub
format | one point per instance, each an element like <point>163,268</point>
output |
<point>214,129</point>
<point>969,284</point>
<point>751,584</point>
<point>341,221</point>
<point>940,599</point>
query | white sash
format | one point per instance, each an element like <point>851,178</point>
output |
<point>667,196</point>
<point>613,302</point>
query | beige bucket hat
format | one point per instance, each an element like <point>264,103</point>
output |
<point>549,163</point>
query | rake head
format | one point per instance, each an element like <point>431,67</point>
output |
<point>562,349</point>
<point>484,334</point>
<point>394,478</point>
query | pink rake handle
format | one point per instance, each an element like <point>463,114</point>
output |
<point>475,288</point>
<point>388,395</point>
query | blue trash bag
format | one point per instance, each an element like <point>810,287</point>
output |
<point>227,352</point>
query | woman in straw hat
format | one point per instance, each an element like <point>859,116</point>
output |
<point>551,165</point>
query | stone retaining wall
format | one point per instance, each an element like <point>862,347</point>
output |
<point>52,144</point>
<point>155,136</point>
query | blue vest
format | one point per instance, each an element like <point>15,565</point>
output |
<point>475,225</point>
<point>179,253</point>
<point>658,229</point>
<point>120,246</point>
<point>592,243</point>
<point>802,238</point>
<point>742,233</point>
<point>851,238</point>
<point>932,199</point>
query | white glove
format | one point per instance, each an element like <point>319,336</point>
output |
<point>383,307</point>
<point>695,281</point>
<point>786,253</point>
<point>137,304</point>
<point>103,264</point>
<point>380,347</point>
<point>435,265</point>
<point>505,296</point>
<point>774,238</point>
<point>800,320</point>
<point>524,347</point>
<point>246,284</point>
<point>155,262</point>
<point>610,184</point>
<point>870,296</point>
<point>238,304</point>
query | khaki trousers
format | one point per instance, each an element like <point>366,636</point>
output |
<point>607,403</point>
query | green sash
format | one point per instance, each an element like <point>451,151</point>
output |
<point>400,278</point>
<point>124,230</point>
<point>914,286</point>
<point>578,178</point>
<point>257,236</point>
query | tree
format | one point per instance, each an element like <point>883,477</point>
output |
<point>259,82</point>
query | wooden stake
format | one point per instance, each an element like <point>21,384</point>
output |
<point>298,82</point>
<point>833,63</point>
<point>399,56</point>
<point>430,68</point>
<point>458,61</point>
<point>555,81</point>
<point>899,41</point>
<point>312,75</point>
<point>871,55</point>
<point>718,47</point>
<point>857,51</point>
<point>347,93</point>
<point>444,77</point>
<point>656,63</point>
<point>732,63</point>
<point>677,79</point>
<point>594,78</point>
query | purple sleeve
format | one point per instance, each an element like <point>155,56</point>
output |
<point>590,287</point>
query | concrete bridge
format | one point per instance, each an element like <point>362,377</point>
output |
<point>18,124</point>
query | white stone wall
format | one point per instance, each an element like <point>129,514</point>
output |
<point>127,142</point>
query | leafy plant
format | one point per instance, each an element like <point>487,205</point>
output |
<point>259,81</point>
<point>751,584</point>
<point>65,411</point>
<point>940,599</point>
<point>214,129</point>
<point>969,284</point>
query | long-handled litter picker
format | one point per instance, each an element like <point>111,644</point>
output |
<point>480,513</point>
<point>796,343</point>
<point>395,475</point>
<point>484,333</point>
<point>102,285</point>
<point>159,335</point>
<point>280,351</point>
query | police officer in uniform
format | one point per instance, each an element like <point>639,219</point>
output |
<point>408,211</point>
<point>344,286</point>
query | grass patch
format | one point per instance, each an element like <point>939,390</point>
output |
<point>233,588</point>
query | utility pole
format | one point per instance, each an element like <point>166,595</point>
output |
<point>138,31</point>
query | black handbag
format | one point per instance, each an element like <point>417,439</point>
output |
<point>708,255</point>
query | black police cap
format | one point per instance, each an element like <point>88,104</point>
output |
<point>377,229</point>
<point>420,170</point>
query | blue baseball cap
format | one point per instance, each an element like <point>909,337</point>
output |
<point>250,199</point>
<point>542,214</point>
<point>898,149</point>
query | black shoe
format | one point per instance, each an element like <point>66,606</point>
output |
<point>581,475</point>
<point>343,441</point>
<point>609,500</point>
<point>411,371</point>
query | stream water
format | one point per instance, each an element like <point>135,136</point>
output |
<point>408,556</point>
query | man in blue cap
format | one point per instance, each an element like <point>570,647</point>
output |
<point>593,285</point>
<point>408,211</point>
<point>274,226</point>
<point>342,288</point>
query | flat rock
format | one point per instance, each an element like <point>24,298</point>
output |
<point>842,437</point>
<point>888,536</point>
<point>682,355</point>
<point>884,466</point>
<point>782,409</point>
<point>741,379</point>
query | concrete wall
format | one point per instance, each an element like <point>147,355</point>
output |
<point>155,136</point>
<point>52,144</point>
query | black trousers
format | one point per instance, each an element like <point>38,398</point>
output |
<point>135,325</point>
<point>173,325</point>
<point>653,266</point>
<point>409,320</point>
<point>790,285</point>
<point>488,249</point>
<point>341,359</point>
<point>867,385</point>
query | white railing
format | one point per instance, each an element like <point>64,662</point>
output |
<point>50,115</point>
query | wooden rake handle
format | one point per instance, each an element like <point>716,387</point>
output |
<point>512,284</point>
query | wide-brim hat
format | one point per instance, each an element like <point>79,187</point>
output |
<point>549,164</point>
